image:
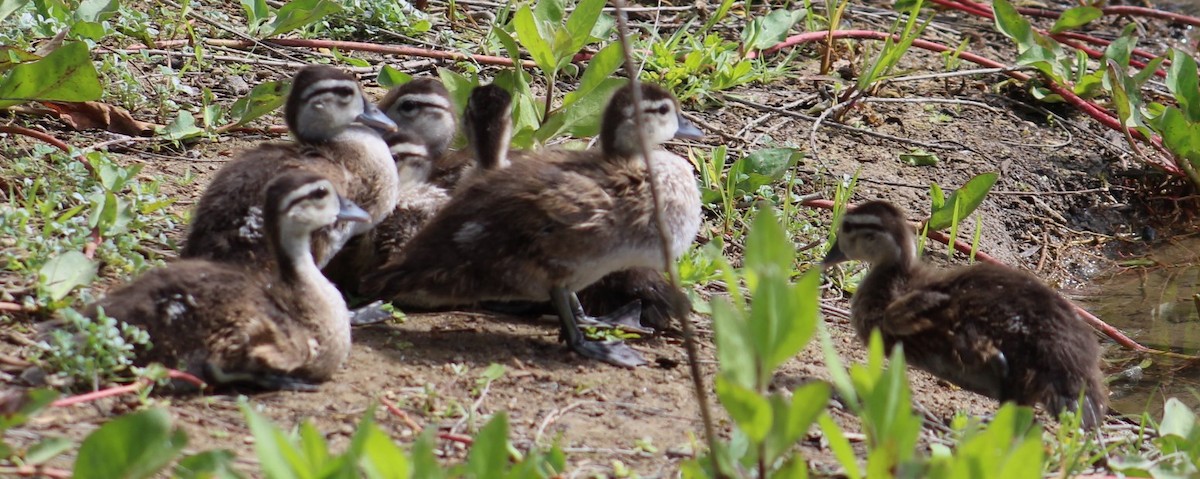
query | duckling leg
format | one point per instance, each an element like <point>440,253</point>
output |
<point>612,352</point>
<point>626,318</point>
<point>369,314</point>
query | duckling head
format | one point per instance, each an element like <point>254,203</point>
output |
<point>423,108</point>
<point>487,124</point>
<point>413,163</point>
<point>324,101</point>
<point>875,232</point>
<point>300,202</point>
<point>661,117</point>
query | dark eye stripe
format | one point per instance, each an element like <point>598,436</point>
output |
<point>343,91</point>
<point>315,194</point>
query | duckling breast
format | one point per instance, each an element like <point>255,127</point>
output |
<point>680,197</point>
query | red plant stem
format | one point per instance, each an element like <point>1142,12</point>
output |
<point>126,389</point>
<point>7,306</point>
<point>1121,10</point>
<point>52,141</point>
<point>1099,114</point>
<point>350,46</point>
<point>1104,43</point>
<point>962,247</point>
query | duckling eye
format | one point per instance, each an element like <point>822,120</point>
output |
<point>408,106</point>
<point>662,110</point>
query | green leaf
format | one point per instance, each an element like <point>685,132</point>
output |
<point>279,457</point>
<point>458,85</point>
<point>424,462</point>
<point>257,13</point>
<point>771,29</point>
<point>598,73</point>
<point>489,454</point>
<point>7,7</point>
<point>134,446</point>
<point>32,401</point>
<point>963,201</point>
<point>579,27</point>
<point>749,410</point>
<point>581,117</point>
<point>937,197</point>
<point>300,13</point>
<point>530,36</point>
<point>390,77</point>
<point>1179,135</point>
<point>840,446</point>
<point>65,272</point>
<point>769,250</point>
<point>313,446</point>
<point>263,99</point>
<point>1182,81</point>
<point>1013,25</point>
<point>1075,17</point>
<point>735,355</point>
<point>47,449</point>
<point>181,128</point>
<point>1178,419</point>
<point>380,458</point>
<point>217,464</point>
<point>66,74</point>
<point>793,420</point>
<point>799,318</point>
<point>95,10</point>
<point>771,162</point>
<point>919,158</point>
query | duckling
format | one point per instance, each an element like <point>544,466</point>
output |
<point>321,108</point>
<point>286,329</point>
<point>554,222</point>
<point>422,107</point>
<point>989,329</point>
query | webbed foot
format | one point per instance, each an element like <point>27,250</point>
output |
<point>612,352</point>
<point>627,318</point>
<point>266,381</point>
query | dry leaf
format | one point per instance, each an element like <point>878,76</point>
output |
<point>93,114</point>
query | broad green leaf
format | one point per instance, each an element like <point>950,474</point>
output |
<point>424,463</point>
<point>300,13</point>
<point>840,446</point>
<point>967,198</point>
<point>7,7</point>
<point>458,85</point>
<point>769,250</point>
<point>798,321</point>
<point>581,117</point>
<point>749,410</point>
<point>65,272</point>
<point>1075,17</point>
<point>95,10</point>
<point>598,73</point>
<point>1178,419</point>
<point>530,36</point>
<point>771,29</point>
<point>771,162</point>
<point>937,197</point>
<point>312,445</point>
<point>390,77</point>
<point>1179,135</point>
<point>1122,48</point>
<point>279,457</point>
<point>1182,81</point>
<point>735,354</point>
<point>837,371</point>
<point>1012,24</point>
<point>490,449</point>
<point>380,458</point>
<point>10,57</point>
<point>579,27</point>
<point>215,464</point>
<point>133,446</point>
<point>257,14</point>
<point>263,99</point>
<point>47,449</point>
<point>550,12</point>
<point>66,75</point>
<point>793,420</point>
<point>181,128</point>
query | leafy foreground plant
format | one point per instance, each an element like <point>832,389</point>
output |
<point>144,443</point>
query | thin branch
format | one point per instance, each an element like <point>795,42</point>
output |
<point>689,332</point>
<point>351,46</point>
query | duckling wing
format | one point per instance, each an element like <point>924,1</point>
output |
<point>509,234</point>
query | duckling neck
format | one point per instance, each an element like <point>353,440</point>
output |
<point>319,305</point>
<point>883,284</point>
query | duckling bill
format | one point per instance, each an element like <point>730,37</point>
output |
<point>989,329</point>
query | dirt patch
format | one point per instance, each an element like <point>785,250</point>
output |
<point>1066,191</point>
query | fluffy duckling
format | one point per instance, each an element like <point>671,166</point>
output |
<point>321,109</point>
<point>989,329</point>
<point>555,222</point>
<point>286,329</point>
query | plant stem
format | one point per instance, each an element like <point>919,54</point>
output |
<point>689,332</point>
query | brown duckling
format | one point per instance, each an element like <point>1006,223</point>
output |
<point>989,329</point>
<point>321,109</point>
<point>554,222</point>
<point>285,329</point>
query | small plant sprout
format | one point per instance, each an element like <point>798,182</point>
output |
<point>91,351</point>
